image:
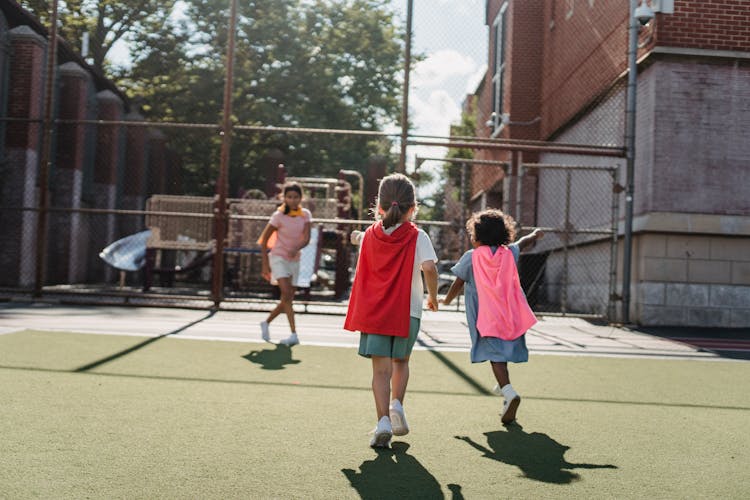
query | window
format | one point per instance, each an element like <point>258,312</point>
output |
<point>571,6</point>
<point>498,68</point>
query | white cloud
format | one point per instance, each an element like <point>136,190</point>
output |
<point>463,6</point>
<point>441,66</point>
<point>433,116</point>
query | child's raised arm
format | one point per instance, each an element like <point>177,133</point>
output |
<point>529,239</point>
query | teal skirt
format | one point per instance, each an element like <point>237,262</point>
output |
<point>372,344</point>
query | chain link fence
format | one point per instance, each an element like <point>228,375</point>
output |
<point>143,205</point>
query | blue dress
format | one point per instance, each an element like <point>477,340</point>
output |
<point>487,348</point>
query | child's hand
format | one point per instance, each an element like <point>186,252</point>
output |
<point>538,234</point>
<point>432,303</point>
<point>445,301</point>
<point>266,272</point>
<point>356,237</point>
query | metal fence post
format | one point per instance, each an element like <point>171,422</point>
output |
<point>220,208</point>
<point>616,190</point>
<point>405,97</point>
<point>46,155</point>
<point>630,159</point>
<point>566,246</point>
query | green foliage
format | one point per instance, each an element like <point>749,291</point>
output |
<point>467,128</point>
<point>333,64</point>
<point>451,172</point>
<point>330,64</point>
<point>106,22</point>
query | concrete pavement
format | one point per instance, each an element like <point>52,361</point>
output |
<point>444,330</point>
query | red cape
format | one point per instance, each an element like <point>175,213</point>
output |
<point>381,293</point>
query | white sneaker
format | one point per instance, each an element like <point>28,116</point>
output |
<point>291,340</point>
<point>398,419</point>
<point>264,333</point>
<point>382,434</point>
<point>510,404</point>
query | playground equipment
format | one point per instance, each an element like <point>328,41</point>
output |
<point>185,224</point>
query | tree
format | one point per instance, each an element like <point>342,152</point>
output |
<point>322,64</point>
<point>331,64</point>
<point>106,21</point>
<point>456,178</point>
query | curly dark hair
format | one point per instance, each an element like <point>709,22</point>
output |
<point>491,227</point>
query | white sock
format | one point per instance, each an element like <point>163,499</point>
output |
<point>508,391</point>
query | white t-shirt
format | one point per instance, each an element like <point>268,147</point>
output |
<point>423,253</point>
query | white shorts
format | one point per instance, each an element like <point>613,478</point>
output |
<point>282,268</point>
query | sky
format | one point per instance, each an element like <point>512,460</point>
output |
<point>453,38</point>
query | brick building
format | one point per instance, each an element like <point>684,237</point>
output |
<point>557,72</point>
<point>92,166</point>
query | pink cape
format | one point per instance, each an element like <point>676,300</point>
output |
<point>503,310</point>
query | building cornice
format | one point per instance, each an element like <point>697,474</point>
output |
<point>690,52</point>
<point>692,223</point>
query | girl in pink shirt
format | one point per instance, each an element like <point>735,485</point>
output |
<point>291,225</point>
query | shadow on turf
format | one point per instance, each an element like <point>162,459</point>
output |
<point>396,474</point>
<point>477,386</point>
<point>272,359</point>
<point>141,345</point>
<point>539,457</point>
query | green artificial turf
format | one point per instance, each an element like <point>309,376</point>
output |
<point>94,416</point>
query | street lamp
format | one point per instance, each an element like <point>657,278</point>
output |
<point>640,15</point>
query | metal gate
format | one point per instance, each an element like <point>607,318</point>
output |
<point>573,269</point>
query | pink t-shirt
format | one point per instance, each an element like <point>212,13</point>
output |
<point>289,233</point>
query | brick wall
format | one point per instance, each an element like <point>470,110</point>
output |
<point>110,108</point>
<point>585,47</point>
<point>700,118</point>
<point>25,87</point>
<point>706,24</point>
<point>525,41</point>
<point>68,234</point>
<point>106,162</point>
<point>692,157</point>
<point>4,53</point>
<point>22,139</point>
<point>584,52</point>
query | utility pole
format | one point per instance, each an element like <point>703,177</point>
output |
<point>630,159</point>
<point>222,184</point>
<point>46,154</point>
<point>405,97</point>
